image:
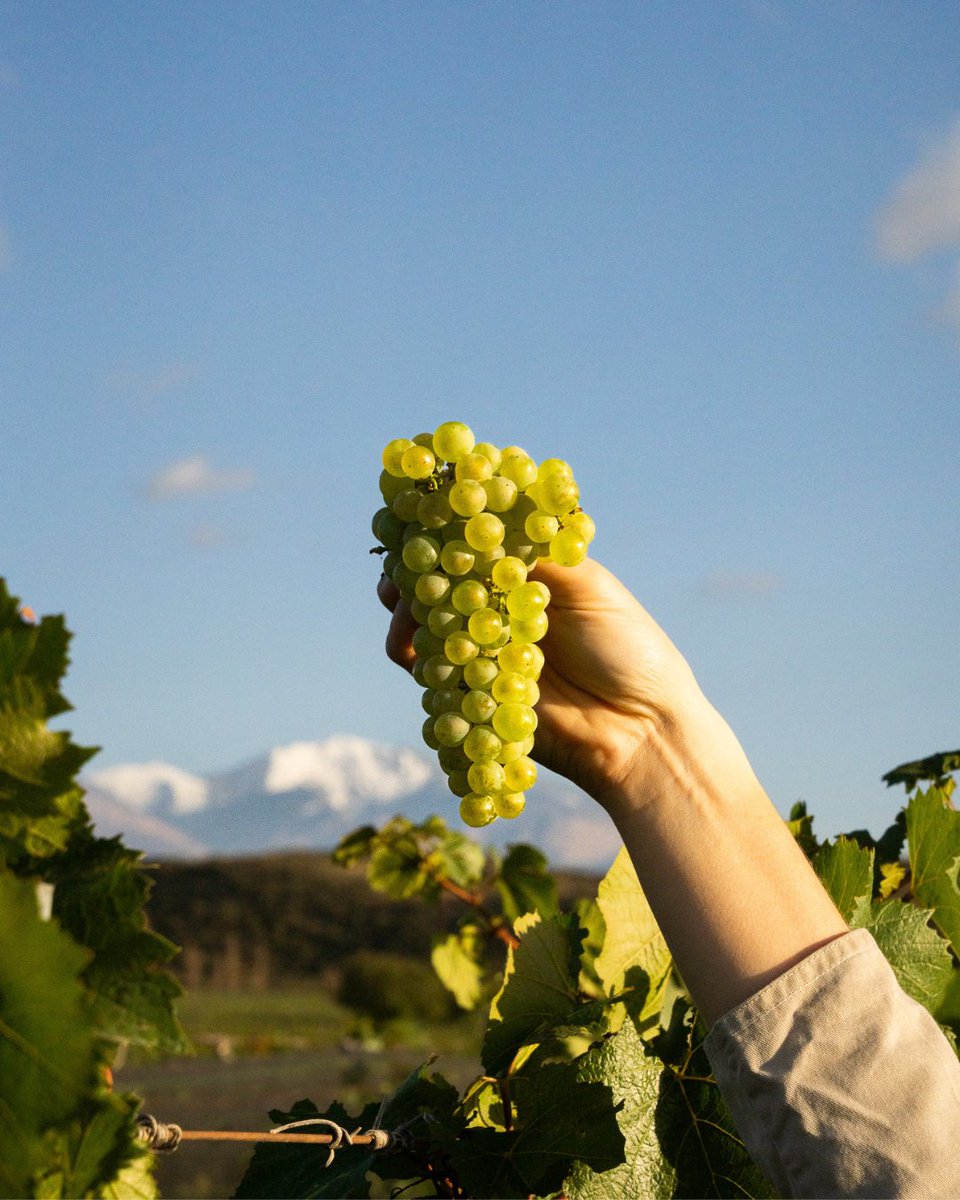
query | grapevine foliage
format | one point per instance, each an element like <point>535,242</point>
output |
<point>594,1081</point>
<point>74,987</point>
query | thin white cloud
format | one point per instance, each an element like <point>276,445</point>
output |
<point>922,214</point>
<point>196,476</point>
<point>753,585</point>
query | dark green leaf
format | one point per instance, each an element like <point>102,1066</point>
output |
<point>47,1044</point>
<point>935,768</point>
<point>693,1125</point>
<point>919,956</point>
<point>99,896</point>
<point>933,834</point>
<point>355,845</point>
<point>525,885</point>
<point>558,1120</point>
<point>539,987</point>
<point>846,871</point>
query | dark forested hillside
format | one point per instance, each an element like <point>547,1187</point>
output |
<point>257,921</point>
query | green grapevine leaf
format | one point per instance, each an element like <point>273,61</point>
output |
<point>39,798</point>
<point>539,986</point>
<point>397,870</point>
<point>933,835</point>
<point>461,860</point>
<point>919,956</point>
<point>625,1063</point>
<point>525,885</point>
<point>456,960</point>
<point>800,824</point>
<point>594,927</point>
<point>424,1104</point>
<point>99,897</point>
<point>558,1119</point>
<point>98,1153</point>
<point>934,768</point>
<point>355,845</point>
<point>633,947</point>
<point>695,1130</point>
<point>47,1046</point>
<point>846,871</point>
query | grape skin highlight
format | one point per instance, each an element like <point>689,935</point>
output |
<point>460,526</point>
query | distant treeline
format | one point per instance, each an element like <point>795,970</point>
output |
<point>256,922</point>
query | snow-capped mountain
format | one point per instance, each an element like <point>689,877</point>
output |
<point>309,794</point>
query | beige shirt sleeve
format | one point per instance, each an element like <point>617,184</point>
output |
<point>839,1083</point>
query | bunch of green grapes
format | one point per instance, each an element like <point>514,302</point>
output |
<point>462,525</point>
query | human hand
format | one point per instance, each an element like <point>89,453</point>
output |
<point>612,677</point>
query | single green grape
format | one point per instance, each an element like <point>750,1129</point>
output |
<point>487,777</point>
<point>478,706</point>
<point>444,700</point>
<point>452,440</point>
<point>530,629</point>
<point>541,526</point>
<point>558,495</point>
<point>484,531</point>
<point>501,493</point>
<point>467,497</point>
<point>568,548</point>
<point>443,619</point>
<point>482,743</point>
<point>480,673</point>
<point>452,758</point>
<point>393,453</point>
<point>520,775</point>
<point>474,466</point>
<point>477,810</point>
<point>458,783</point>
<point>457,558</point>
<point>434,511</point>
<point>469,597</point>
<point>519,468</point>
<point>460,647</point>
<point>406,503</point>
<point>509,572</point>
<point>451,729</point>
<point>426,644</point>
<point>485,625</point>
<point>421,553</point>
<point>489,450</point>
<point>513,722</point>
<point>440,672</point>
<point>582,523</point>
<point>517,657</point>
<point>509,688</point>
<point>418,462</point>
<point>509,804</point>
<point>528,599</point>
<point>432,588</point>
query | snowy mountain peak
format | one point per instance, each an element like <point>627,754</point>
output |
<point>153,785</point>
<point>342,767</point>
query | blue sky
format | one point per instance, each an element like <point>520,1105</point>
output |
<point>709,253</point>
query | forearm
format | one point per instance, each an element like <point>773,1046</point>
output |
<point>734,895</point>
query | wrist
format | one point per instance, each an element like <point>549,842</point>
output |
<point>691,757</point>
